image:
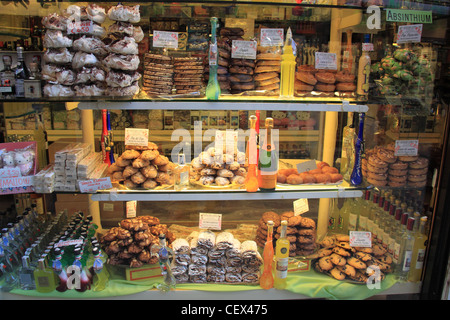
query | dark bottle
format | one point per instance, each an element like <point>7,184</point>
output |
<point>356,177</point>
<point>22,73</point>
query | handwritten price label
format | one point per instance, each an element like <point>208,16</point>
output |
<point>406,147</point>
<point>91,186</point>
<point>272,37</point>
<point>165,39</point>
<point>409,33</point>
<point>10,172</point>
<point>136,137</point>
<point>212,221</point>
<point>360,239</point>
<point>131,207</point>
<point>241,49</point>
<point>306,166</point>
<point>325,60</point>
<point>301,206</point>
<point>80,27</point>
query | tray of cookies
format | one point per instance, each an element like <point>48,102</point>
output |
<point>381,167</point>
<point>218,170</point>
<point>301,232</point>
<point>360,265</point>
<point>324,174</point>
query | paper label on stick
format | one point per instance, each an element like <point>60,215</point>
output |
<point>409,33</point>
<point>131,208</point>
<point>301,206</point>
<point>361,239</point>
<point>136,137</point>
<point>325,60</point>
<point>272,37</point>
<point>165,39</point>
<point>306,166</point>
<point>406,147</point>
<point>241,49</point>
<point>90,186</point>
<point>212,221</point>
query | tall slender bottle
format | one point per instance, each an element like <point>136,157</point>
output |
<point>362,88</point>
<point>99,271</point>
<point>364,212</point>
<point>162,251</point>
<point>281,258</point>
<point>288,63</point>
<point>356,177</point>
<point>105,139</point>
<point>26,275</point>
<point>268,161</point>
<point>418,256</point>
<point>181,174</point>
<point>251,181</point>
<point>348,145</point>
<point>266,281</point>
<point>213,88</point>
<point>406,251</point>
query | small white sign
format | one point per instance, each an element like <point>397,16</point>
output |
<point>131,209</point>
<point>360,239</point>
<point>165,39</point>
<point>272,37</point>
<point>409,33</point>
<point>10,172</point>
<point>80,27</point>
<point>301,206</point>
<point>90,186</point>
<point>136,137</point>
<point>325,60</point>
<point>306,166</point>
<point>211,221</point>
<point>367,47</point>
<point>242,49</point>
<point>406,147</point>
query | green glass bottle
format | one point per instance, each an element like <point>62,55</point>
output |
<point>213,88</point>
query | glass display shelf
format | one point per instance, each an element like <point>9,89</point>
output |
<point>119,193</point>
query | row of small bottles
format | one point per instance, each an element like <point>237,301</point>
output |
<point>399,228</point>
<point>55,254</point>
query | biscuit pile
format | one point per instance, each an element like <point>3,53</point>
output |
<point>382,168</point>
<point>131,242</point>
<point>158,74</point>
<point>301,232</point>
<point>268,69</point>
<point>220,169</point>
<point>142,167</point>
<point>323,174</point>
<point>339,260</point>
<point>188,74</point>
<point>307,79</point>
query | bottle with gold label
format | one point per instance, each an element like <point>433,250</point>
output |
<point>268,161</point>
<point>418,254</point>
<point>281,258</point>
<point>362,88</point>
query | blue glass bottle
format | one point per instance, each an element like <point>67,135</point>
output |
<point>356,177</point>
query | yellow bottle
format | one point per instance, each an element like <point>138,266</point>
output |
<point>418,255</point>
<point>287,68</point>
<point>281,258</point>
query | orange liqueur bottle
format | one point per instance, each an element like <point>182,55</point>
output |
<point>268,161</point>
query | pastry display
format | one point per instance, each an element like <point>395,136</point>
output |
<point>142,167</point>
<point>123,59</point>
<point>188,74</point>
<point>158,74</point>
<point>341,261</point>
<point>209,257</point>
<point>268,69</point>
<point>301,232</point>
<point>381,168</point>
<point>323,174</point>
<point>221,169</point>
<point>130,243</point>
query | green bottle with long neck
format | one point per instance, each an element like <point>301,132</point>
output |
<point>213,88</point>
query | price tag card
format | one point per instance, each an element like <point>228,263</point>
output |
<point>272,37</point>
<point>80,27</point>
<point>136,137</point>
<point>361,239</point>
<point>131,208</point>
<point>367,47</point>
<point>409,33</point>
<point>306,166</point>
<point>91,186</point>
<point>231,139</point>
<point>406,147</point>
<point>165,39</point>
<point>325,60</point>
<point>241,49</point>
<point>301,206</point>
<point>212,221</point>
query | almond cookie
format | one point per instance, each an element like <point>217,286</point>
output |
<point>420,163</point>
<point>376,162</point>
<point>386,155</point>
<point>325,77</point>
<point>140,163</point>
<point>320,86</point>
<point>265,76</point>
<point>302,86</point>
<point>306,77</point>
<point>130,154</point>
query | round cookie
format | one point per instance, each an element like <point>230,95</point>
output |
<point>337,274</point>
<point>417,171</point>
<point>326,78</point>
<point>271,216</point>
<point>376,162</point>
<point>307,78</point>
<point>386,155</point>
<point>399,165</point>
<point>325,263</point>
<point>307,223</point>
<point>420,163</point>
